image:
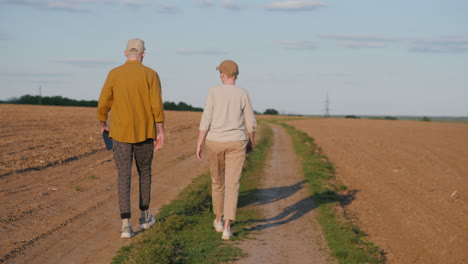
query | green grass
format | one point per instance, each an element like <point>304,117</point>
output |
<point>184,233</point>
<point>347,243</point>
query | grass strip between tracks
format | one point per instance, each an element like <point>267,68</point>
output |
<point>348,244</point>
<point>184,230</point>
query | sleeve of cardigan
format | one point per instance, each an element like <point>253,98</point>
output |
<point>207,113</point>
<point>249,115</point>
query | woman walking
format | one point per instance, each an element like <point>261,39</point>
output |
<point>228,128</point>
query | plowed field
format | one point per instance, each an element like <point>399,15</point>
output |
<point>58,199</point>
<point>410,183</point>
<point>58,183</point>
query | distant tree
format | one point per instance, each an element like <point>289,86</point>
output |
<point>390,118</point>
<point>181,106</point>
<point>427,119</point>
<point>26,99</point>
<point>170,106</point>
<point>88,103</point>
<point>50,100</point>
<point>352,116</point>
<point>271,111</point>
<point>63,101</point>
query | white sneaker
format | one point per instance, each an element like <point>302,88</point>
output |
<point>227,234</point>
<point>127,232</point>
<point>219,227</point>
<point>147,222</point>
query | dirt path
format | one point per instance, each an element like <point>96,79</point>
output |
<point>68,213</point>
<point>288,233</point>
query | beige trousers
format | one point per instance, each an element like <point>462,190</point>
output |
<point>226,160</point>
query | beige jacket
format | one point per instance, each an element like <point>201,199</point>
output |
<point>228,114</point>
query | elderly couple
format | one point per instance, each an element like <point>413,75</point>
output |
<point>227,127</point>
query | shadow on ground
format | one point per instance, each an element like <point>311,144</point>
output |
<point>268,195</point>
<point>294,211</point>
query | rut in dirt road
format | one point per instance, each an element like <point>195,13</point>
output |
<point>288,231</point>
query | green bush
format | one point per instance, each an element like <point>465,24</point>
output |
<point>271,111</point>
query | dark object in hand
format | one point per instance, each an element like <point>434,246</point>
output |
<point>249,147</point>
<point>107,140</point>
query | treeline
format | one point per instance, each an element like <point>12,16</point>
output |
<point>49,100</point>
<point>424,118</point>
<point>63,101</point>
<point>181,106</point>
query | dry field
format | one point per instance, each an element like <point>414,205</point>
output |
<point>58,187</point>
<point>409,180</point>
<point>58,184</point>
<point>35,137</point>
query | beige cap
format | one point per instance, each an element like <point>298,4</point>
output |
<point>137,44</point>
<point>229,68</point>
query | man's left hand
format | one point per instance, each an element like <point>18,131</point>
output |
<point>159,142</point>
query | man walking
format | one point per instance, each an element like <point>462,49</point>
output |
<point>133,92</point>
<point>227,109</point>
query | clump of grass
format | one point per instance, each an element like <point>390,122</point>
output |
<point>184,233</point>
<point>347,243</point>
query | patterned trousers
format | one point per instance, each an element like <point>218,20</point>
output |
<point>123,156</point>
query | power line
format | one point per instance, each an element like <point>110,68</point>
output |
<point>327,106</point>
<point>40,94</point>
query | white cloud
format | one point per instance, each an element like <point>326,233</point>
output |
<point>70,7</point>
<point>166,9</point>
<point>200,52</point>
<point>205,3</point>
<point>93,1</point>
<point>134,3</point>
<point>64,5</point>
<point>60,5</point>
<point>232,5</point>
<point>444,44</point>
<point>358,38</point>
<point>363,44</point>
<point>294,6</point>
<point>298,45</point>
<point>360,41</point>
<point>23,2</point>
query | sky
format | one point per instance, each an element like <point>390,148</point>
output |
<point>354,57</point>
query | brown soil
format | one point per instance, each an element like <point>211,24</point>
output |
<point>410,181</point>
<point>59,204</point>
<point>288,231</point>
<point>58,183</point>
<point>58,188</point>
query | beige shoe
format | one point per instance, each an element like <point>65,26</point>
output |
<point>227,234</point>
<point>218,226</point>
